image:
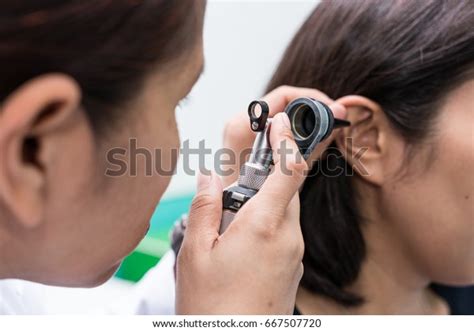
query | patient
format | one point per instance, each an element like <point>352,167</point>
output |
<point>376,238</point>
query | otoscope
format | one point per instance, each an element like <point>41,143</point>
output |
<point>311,122</point>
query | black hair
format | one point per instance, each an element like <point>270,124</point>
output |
<point>108,47</point>
<point>406,56</point>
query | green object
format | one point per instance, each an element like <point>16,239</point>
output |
<point>156,243</point>
<point>136,265</point>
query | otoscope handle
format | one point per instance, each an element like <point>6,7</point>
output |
<point>254,172</point>
<point>227,218</point>
<point>233,199</point>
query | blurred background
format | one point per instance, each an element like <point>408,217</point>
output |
<point>243,43</point>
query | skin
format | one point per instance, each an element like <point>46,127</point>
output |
<point>239,137</point>
<point>64,222</point>
<point>62,208</point>
<point>410,241</point>
<point>57,207</point>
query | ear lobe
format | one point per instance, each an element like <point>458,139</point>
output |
<point>362,143</point>
<point>41,105</point>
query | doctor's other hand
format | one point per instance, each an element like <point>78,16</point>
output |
<point>255,266</point>
<point>238,137</point>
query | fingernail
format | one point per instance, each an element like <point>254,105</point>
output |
<point>203,181</point>
<point>339,110</point>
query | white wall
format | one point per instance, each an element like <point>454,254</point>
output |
<point>243,41</point>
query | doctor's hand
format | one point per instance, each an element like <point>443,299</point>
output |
<point>255,266</point>
<point>238,137</point>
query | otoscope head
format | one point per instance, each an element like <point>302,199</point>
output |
<point>311,122</point>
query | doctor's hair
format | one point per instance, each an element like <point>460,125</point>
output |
<point>406,56</point>
<point>107,46</point>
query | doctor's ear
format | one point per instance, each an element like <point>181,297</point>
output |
<point>368,142</point>
<point>36,123</point>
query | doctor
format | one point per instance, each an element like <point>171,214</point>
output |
<point>79,78</point>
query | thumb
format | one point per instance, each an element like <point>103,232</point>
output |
<point>205,213</point>
<point>289,170</point>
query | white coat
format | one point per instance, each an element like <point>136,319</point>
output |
<point>153,294</point>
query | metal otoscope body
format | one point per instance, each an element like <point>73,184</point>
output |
<point>311,122</point>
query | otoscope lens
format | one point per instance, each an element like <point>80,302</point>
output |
<point>303,121</point>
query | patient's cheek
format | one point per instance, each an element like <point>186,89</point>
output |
<point>445,192</point>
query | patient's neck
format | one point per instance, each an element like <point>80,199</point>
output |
<point>383,292</point>
<point>389,280</point>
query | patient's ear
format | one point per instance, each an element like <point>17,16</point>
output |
<point>366,144</point>
<point>35,123</point>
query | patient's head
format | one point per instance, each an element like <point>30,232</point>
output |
<point>405,72</point>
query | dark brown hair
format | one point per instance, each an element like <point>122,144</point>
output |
<point>107,46</point>
<point>406,56</point>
